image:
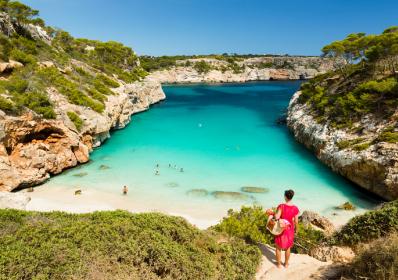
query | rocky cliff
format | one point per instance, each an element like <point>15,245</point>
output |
<point>33,148</point>
<point>250,69</point>
<point>373,167</point>
<point>60,97</point>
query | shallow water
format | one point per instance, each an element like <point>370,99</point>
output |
<point>224,137</point>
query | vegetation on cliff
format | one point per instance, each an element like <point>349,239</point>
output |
<point>83,70</point>
<point>366,84</point>
<point>369,226</point>
<point>117,245</point>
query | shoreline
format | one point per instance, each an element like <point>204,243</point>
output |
<point>47,199</point>
<point>58,198</point>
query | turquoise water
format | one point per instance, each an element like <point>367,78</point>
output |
<point>224,137</point>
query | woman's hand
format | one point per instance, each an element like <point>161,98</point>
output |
<point>269,212</point>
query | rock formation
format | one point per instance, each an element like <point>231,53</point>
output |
<point>251,69</point>
<point>374,168</point>
<point>32,148</point>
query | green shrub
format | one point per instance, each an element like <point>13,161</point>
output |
<point>117,245</point>
<point>202,67</point>
<point>107,81</point>
<point>344,144</point>
<point>250,224</point>
<point>96,94</point>
<point>6,105</point>
<point>362,147</point>
<point>37,102</point>
<point>22,57</point>
<point>388,135</point>
<point>51,76</point>
<point>379,260</point>
<point>77,121</point>
<point>369,226</point>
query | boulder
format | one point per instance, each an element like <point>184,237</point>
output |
<point>6,67</point>
<point>333,253</point>
<point>317,221</point>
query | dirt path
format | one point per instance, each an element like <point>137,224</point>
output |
<point>301,266</point>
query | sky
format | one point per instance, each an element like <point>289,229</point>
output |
<point>172,27</point>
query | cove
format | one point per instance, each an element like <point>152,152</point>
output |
<point>193,153</point>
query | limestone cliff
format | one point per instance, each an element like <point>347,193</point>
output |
<point>33,148</point>
<point>250,69</point>
<point>374,168</point>
<point>60,97</point>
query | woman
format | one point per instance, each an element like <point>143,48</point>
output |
<point>284,241</point>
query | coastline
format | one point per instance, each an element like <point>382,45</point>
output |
<point>45,199</point>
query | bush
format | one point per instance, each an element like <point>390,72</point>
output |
<point>117,245</point>
<point>390,137</point>
<point>250,224</point>
<point>77,121</point>
<point>107,81</point>
<point>37,102</point>
<point>22,57</point>
<point>378,261</point>
<point>369,226</point>
<point>6,105</point>
<point>202,67</point>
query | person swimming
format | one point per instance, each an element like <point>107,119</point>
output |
<point>157,172</point>
<point>125,190</point>
<point>181,169</point>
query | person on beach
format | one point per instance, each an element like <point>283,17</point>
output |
<point>287,211</point>
<point>125,190</point>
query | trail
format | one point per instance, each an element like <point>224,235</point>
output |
<point>300,266</point>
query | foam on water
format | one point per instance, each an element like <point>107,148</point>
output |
<point>224,137</point>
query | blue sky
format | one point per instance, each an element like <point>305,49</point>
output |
<point>168,27</point>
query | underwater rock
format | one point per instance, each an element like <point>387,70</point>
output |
<point>198,192</point>
<point>346,206</point>
<point>81,174</point>
<point>230,195</point>
<point>172,185</point>
<point>253,189</point>
<point>104,167</point>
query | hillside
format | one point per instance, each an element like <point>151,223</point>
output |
<point>235,68</point>
<point>348,117</point>
<point>60,96</point>
<point>117,245</point>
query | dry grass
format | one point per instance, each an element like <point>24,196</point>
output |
<point>377,261</point>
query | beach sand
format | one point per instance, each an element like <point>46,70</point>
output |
<point>46,198</point>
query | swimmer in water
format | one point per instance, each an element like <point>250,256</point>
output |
<point>157,172</point>
<point>125,190</point>
<point>181,169</point>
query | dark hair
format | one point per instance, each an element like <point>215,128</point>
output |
<point>289,194</point>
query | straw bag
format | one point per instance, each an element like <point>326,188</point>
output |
<point>276,227</point>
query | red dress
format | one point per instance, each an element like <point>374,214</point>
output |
<point>286,239</point>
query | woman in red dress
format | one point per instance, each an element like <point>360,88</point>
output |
<point>284,241</point>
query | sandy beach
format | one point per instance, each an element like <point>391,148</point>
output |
<point>46,198</point>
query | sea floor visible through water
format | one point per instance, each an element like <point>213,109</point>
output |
<point>193,154</point>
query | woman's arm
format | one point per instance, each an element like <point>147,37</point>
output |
<point>278,213</point>
<point>296,222</point>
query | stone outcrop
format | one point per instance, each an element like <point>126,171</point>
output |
<point>32,148</point>
<point>374,168</point>
<point>318,222</point>
<point>7,67</point>
<point>333,253</point>
<point>253,69</point>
